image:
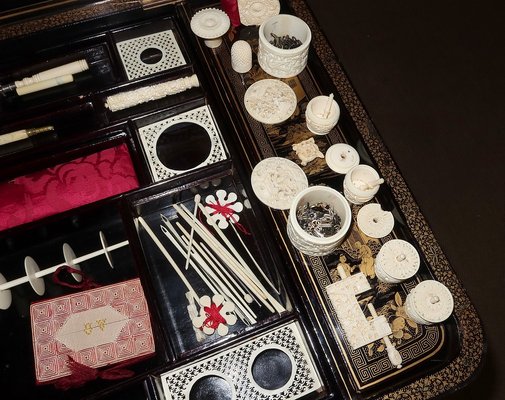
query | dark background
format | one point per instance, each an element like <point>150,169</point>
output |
<point>432,78</point>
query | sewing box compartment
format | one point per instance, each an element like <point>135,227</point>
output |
<point>136,244</point>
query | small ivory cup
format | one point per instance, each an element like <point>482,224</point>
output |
<point>322,115</point>
<point>283,63</point>
<point>357,181</point>
<point>304,241</point>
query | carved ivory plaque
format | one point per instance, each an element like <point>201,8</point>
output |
<point>358,330</point>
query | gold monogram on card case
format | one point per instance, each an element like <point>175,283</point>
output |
<point>100,324</point>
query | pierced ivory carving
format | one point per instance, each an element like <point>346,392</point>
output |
<point>270,101</point>
<point>358,330</point>
<point>223,208</point>
<point>235,364</point>
<point>276,181</point>
<point>307,151</point>
<point>164,42</point>
<point>255,12</point>
<point>215,315</point>
<point>133,98</point>
<point>150,134</point>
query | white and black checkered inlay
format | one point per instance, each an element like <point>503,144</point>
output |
<point>203,120</point>
<point>133,54</point>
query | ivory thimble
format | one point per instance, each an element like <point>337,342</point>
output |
<point>241,56</point>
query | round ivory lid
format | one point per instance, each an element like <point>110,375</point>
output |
<point>270,101</point>
<point>276,181</point>
<point>341,158</point>
<point>210,23</point>
<point>398,259</point>
<point>432,301</point>
<point>374,221</point>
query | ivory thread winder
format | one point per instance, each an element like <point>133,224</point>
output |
<point>34,275</point>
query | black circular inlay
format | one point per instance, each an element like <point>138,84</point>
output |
<point>211,387</point>
<point>272,369</point>
<point>151,55</point>
<point>183,146</point>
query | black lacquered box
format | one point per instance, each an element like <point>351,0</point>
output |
<point>126,147</point>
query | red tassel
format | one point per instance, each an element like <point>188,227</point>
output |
<point>86,283</point>
<point>230,7</point>
<point>81,374</point>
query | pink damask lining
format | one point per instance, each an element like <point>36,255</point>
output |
<point>66,186</point>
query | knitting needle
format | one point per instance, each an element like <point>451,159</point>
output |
<point>197,201</point>
<point>168,257</point>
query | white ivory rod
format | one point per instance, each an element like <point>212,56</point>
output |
<point>197,201</point>
<point>168,257</point>
<point>278,307</point>
<point>63,70</point>
<point>222,273</point>
<point>123,100</point>
<point>235,266</point>
<point>50,270</point>
<point>174,241</point>
<point>220,287</point>
<point>43,85</point>
<point>254,260</point>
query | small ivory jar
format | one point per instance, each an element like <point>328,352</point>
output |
<point>241,56</point>
<point>304,241</point>
<point>283,63</point>
<point>430,302</point>
<point>360,184</point>
<point>322,115</point>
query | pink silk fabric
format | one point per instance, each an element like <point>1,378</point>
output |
<point>66,186</point>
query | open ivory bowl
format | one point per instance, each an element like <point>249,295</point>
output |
<point>304,241</point>
<point>283,63</point>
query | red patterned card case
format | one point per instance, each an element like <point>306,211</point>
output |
<point>97,327</point>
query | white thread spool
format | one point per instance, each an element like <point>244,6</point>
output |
<point>430,302</point>
<point>397,261</point>
<point>373,221</point>
<point>210,24</point>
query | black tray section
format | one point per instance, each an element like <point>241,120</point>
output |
<point>169,289</point>
<point>366,371</point>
